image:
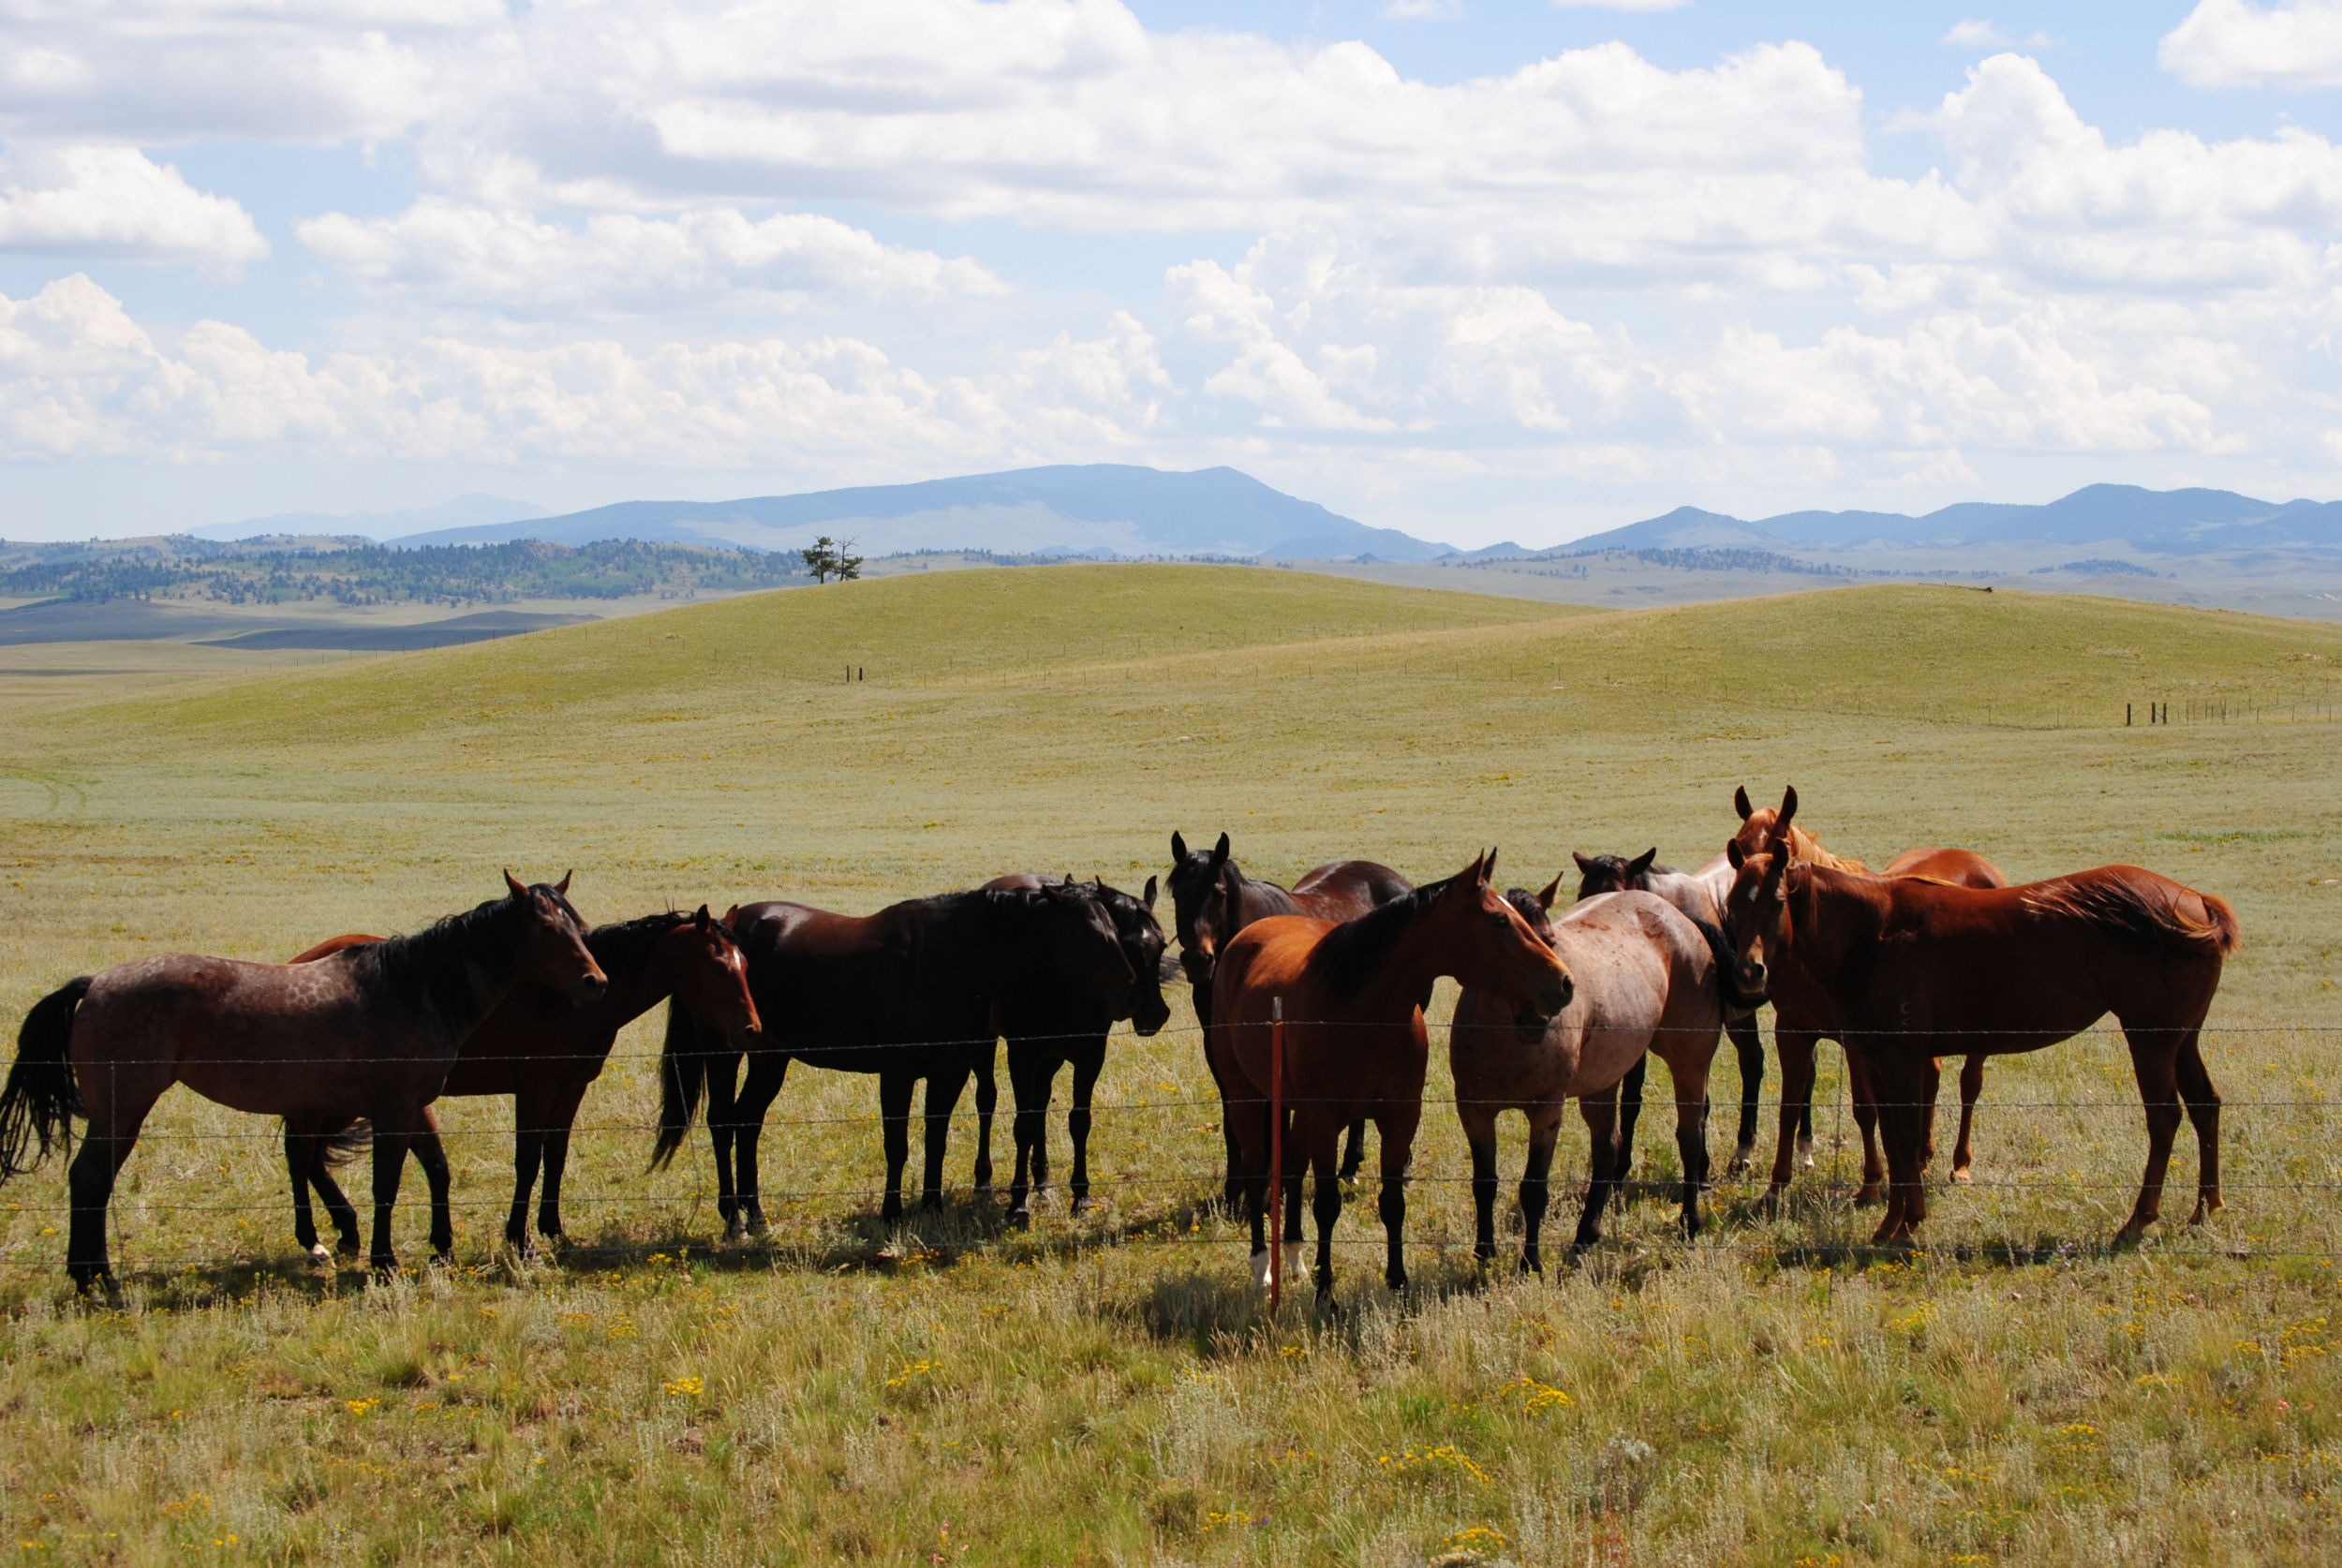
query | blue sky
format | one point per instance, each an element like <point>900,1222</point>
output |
<point>1477,271</point>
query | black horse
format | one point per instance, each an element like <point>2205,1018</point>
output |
<point>1212,899</point>
<point>1049,1021</point>
<point>911,992</point>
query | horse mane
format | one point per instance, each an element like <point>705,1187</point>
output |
<point>1348,956</point>
<point>1805,847</point>
<point>624,946</point>
<point>431,963</point>
<point>1525,905</point>
<point>2122,900</point>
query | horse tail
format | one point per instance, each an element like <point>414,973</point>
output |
<point>40,1100</point>
<point>1728,969</point>
<point>351,1142</point>
<point>2224,933</point>
<point>682,1071</point>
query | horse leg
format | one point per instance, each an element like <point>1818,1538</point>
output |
<point>560,1115</point>
<point>987,1098</point>
<point>2154,1060</point>
<point>338,1207</point>
<point>298,1156</point>
<point>1865,1097</point>
<point>1232,1189</point>
<point>1971,1086</point>
<point>1479,1131</point>
<point>432,1156</point>
<point>1899,1081</point>
<point>390,1162</point>
<point>2204,1113</point>
<point>1690,1078</point>
<point>1535,1187</point>
<point>1750,1047</point>
<point>1394,1129</point>
<point>1600,1112</point>
<point>723,1097</point>
<point>1327,1210</point>
<point>766,1071</point>
<point>91,1186</point>
<point>895,1123</point>
<point>1934,1092</point>
<point>1629,1113</point>
<point>1796,1050</point>
<point>1030,1124</point>
<point>1088,1064</point>
<point>529,1148</point>
<point>1354,1152</point>
<point>944,1087</point>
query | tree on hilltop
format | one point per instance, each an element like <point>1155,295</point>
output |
<point>826,557</point>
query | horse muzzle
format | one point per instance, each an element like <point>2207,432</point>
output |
<point>1148,1016</point>
<point>589,989</point>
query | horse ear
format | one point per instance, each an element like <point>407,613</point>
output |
<point>1584,865</point>
<point>1641,862</point>
<point>1547,894</point>
<point>1147,897</point>
<point>515,885</point>
<point>731,914</point>
<point>1220,852</point>
<point>562,887</point>
<point>1735,854</point>
<point>700,919</point>
<point>1179,846</point>
<point>1487,866</point>
<point>1739,802</point>
<point>1789,805</point>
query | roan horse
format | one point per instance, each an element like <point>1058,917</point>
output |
<point>908,993</point>
<point>1355,1042</point>
<point>368,1033</point>
<point>1049,1023</point>
<point>1803,1016</point>
<point>1212,899</point>
<point>1649,980</point>
<point>1914,969</point>
<point>545,1054</point>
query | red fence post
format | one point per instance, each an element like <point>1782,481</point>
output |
<point>1276,1153</point>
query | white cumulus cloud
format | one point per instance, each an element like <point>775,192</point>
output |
<point>115,203</point>
<point>2237,43</point>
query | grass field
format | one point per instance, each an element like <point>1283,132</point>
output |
<point>1106,1388</point>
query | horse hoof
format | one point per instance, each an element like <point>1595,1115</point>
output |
<point>1868,1196</point>
<point>1531,1264</point>
<point>1961,1177</point>
<point>1738,1165</point>
<point>1805,1153</point>
<point>1021,1219</point>
<point>319,1252</point>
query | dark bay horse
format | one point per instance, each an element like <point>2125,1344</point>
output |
<point>545,1053</point>
<point>1051,1021</point>
<point>1649,982</point>
<point>369,1034</point>
<point>1802,1013</point>
<point>1355,1042</point>
<point>911,992</point>
<point>1914,969</point>
<point>1212,899</point>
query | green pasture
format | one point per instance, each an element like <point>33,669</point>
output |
<point>1106,1388</point>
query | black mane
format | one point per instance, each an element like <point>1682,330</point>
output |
<point>1350,952</point>
<point>623,947</point>
<point>434,964</point>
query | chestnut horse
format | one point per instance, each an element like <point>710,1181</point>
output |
<point>1212,899</point>
<point>911,992</point>
<point>545,1054</point>
<point>1049,1023</point>
<point>1354,1038</point>
<point>1802,1015</point>
<point>1650,981</point>
<point>370,1032</point>
<point>1914,969</point>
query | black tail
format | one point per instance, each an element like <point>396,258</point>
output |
<point>1728,970</point>
<point>339,1148</point>
<point>40,1100</point>
<point>682,1071</point>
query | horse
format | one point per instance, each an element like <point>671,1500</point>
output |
<point>1048,1024</point>
<point>369,1033</point>
<point>543,1052</point>
<point>1801,1017</point>
<point>1355,1045</point>
<point>1650,981</point>
<point>1914,969</point>
<point>911,992</point>
<point>1212,899</point>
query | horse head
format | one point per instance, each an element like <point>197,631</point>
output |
<point>1195,884</point>
<point>552,942</point>
<point>1143,946</point>
<point>1756,910</point>
<point>1613,873</point>
<point>1492,947</point>
<point>1085,948</point>
<point>711,980</point>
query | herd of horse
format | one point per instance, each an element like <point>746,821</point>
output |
<point>1313,999</point>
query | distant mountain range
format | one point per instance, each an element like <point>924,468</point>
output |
<point>463,511</point>
<point>1099,508</point>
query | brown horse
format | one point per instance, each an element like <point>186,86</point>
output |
<point>1913,970</point>
<point>1212,899</point>
<point>1355,1044</point>
<point>1802,1015</point>
<point>545,1054</point>
<point>1649,981</point>
<point>370,1033</point>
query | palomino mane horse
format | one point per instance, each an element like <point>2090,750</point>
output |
<point>1914,969</point>
<point>908,993</point>
<point>1801,1017</point>
<point>1649,982</point>
<point>370,1032</point>
<point>1355,1042</point>
<point>1051,1020</point>
<point>545,1054</point>
<point>1212,899</point>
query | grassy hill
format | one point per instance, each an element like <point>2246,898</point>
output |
<point>1106,1388</point>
